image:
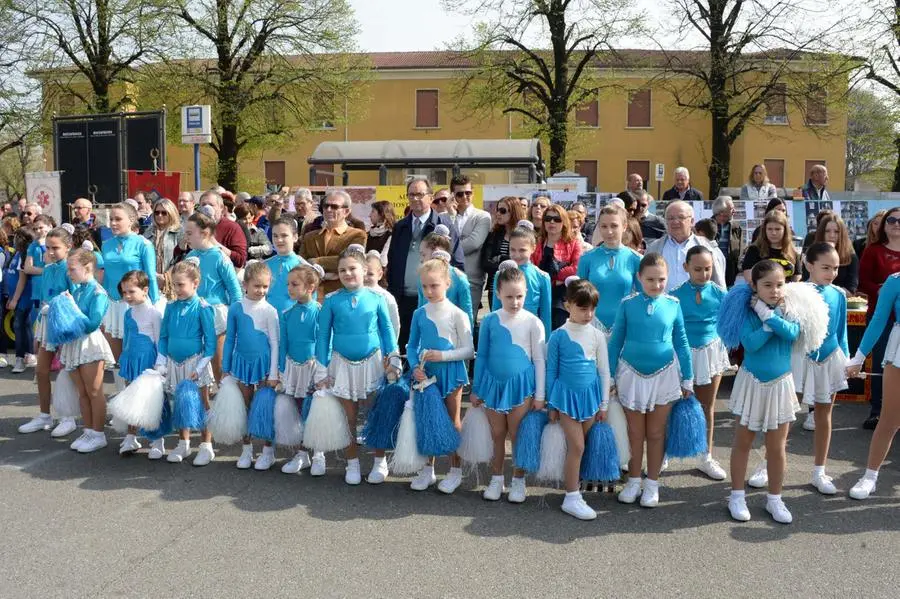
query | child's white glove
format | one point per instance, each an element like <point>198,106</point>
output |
<point>687,385</point>
<point>857,360</point>
<point>762,310</point>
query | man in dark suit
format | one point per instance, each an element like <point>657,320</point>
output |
<point>682,189</point>
<point>403,254</point>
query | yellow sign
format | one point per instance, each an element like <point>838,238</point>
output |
<point>396,195</point>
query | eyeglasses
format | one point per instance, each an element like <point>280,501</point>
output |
<point>460,194</point>
<point>552,218</point>
<point>441,200</point>
<point>82,207</point>
<point>417,195</point>
<point>28,214</point>
<point>675,219</point>
<point>502,210</point>
<point>333,206</point>
<point>892,220</point>
<point>160,213</point>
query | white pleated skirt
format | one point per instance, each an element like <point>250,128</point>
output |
<point>642,393</point>
<point>297,378</point>
<point>819,381</point>
<point>40,333</point>
<point>180,371</point>
<point>220,319</point>
<point>709,361</point>
<point>87,349</point>
<point>761,406</point>
<point>114,320</point>
<point>892,350</point>
<point>355,380</point>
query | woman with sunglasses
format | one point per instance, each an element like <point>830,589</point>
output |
<point>536,212</point>
<point>880,260</point>
<point>557,254</point>
<point>507,213</point>
<point>166,235</point>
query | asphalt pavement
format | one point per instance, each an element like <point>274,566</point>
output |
<point>104,526</point>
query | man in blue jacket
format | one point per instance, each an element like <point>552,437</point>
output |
<point>403,254</point>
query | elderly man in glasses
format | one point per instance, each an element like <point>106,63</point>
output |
<point>473,226</point>
<point>679,238</point>
<point>323,247</point>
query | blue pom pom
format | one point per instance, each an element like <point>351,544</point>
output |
<point>601,455</point>
<point>165,424</point>
<point>189,411</point>
<point>686,429</point>
<point>527,451</point>
<point>381,427</point>
<point>732,313</point>
<point>304,409</point>
<point>435,433</point>
<point>64,321</point>
<point>261,419</point>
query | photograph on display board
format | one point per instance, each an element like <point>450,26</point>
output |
<point>856,215</point>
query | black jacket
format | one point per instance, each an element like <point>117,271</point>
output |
<point>691,195</point>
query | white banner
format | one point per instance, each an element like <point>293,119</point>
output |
<point>43,189</point>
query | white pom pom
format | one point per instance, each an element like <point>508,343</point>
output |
<point>526,224</point>
<point>141,403</point>
<point>616,419</point>
<point>406,458</point>
<point>87,245</point>
<point>193,260</point>
<point>68,227</point>
<point>288,426</point>
<point>507,265</point>
<point>355,247</point>
<point>441,255</point>
<point>326,426</point>
<point>477,446</point>
<point>553,454</point>
<point>227,419</point>
<point>572,279</point>
<point>804,305</point>
<point>65,397</point>
<point>442,230</point>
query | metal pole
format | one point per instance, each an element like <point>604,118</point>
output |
<point>197,166</point>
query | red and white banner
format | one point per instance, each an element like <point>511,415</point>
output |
<point>43,188</point>
<point>161,184</point>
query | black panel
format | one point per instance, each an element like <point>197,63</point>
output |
<point>105,166</point>
<point>71,158</point>
<point>143,136</point>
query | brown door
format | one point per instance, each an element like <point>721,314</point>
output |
<point>587,168</point>
<point>639,167</point>
<point>775,170</point>
<point>274,174</point>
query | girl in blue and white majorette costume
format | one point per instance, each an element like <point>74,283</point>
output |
<point>124,252</point>
<point>440,343</point>
<point>578,384</point>
<point>886,310</point>
<point>459,294</point>
<point>537,299</point>
<point>219,284</point>
<point>251,350</point>
<point>299,328</point>
<point>510,367</point>
<point>54,281</point>
<point>699,299</point>
<point>651,359</point>
<point>822,373</point>
<point>763,398</point>
<point>354,334</point>
<point>284,236</point>
<point>372,280</point>
<point>34,256</point>
<point>612,267</point>
<point>187,343</point>
<point>85,357</point>
<point>142,325</point>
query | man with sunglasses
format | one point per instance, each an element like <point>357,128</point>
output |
<point>652,226</point>
<point>403,253</point>
<point>442,203</point>
<point>324,247</point>
<point>473,226</point>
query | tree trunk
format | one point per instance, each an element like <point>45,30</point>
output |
<point>559,138</point>
<point>227,171</point>
<point>895,186</point>
<point>720,162</point>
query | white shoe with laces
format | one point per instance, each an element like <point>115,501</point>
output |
<point>738,509</point>
<point>379,472</point>
<point>863,488</point>
<point>180,453</point>
<point>205,455</point>
<point>317,467</point>
<point>246,460</point>
<point>157,450</point>
<point>129,445</point>
<point>810,422</point>
<point>760,477</point>
<point>80,440</point>
<point>632,490</point>
<point>93,443</point>
<point>451,482</point>
<point>495,489</point>
<point>299,462</point>
<point>824,484</point>
<point>779,511</point>
<point>352,475</point>
<point>65,427</point>
<point>266,459</point>
<point>712,468</point>
<point>650,495</point>
<point>578,507</point>
<point>517,491</point>
<point>41,422</point>
<point>424,479</point>
<point>19,366</point>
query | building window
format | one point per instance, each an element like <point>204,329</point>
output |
<point>808,167</point>
<point>587,168</point>
<point>639,108</point>
<point>639,167</point>
<point>274,175</point>
<point>588,115</point>
<point>427,108</point>
<point>776,105</point>
<point>816,111</point>
<point>775,170</point>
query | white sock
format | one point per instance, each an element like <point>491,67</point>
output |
<point>708,456</point>
<point>98,434</point>
<point>319,455</point>
<point>186,443</point>
<point>247,448</point>
<point>44,415</point>
<point>268,449</point>
<point>129,437</point>
<point>871,474</point>
<point>573,495</point>
<point>521,478</point>
<point>455,470</point>
<point>380,460</point>
<point>498,477</point>
<point>818,470</point>
<point>634,480</point>
<point>737,494</point>
<point>770,497</point>
<point>353,462</point>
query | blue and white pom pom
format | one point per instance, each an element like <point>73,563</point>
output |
<point>435,433</point>
<point>732,314</point>
<point>441,255</point>
<point>261,419</point>
<point>64,321</point>
<point>442,230</point>
<point>380,431</point>
<point>189,412</point>
<point>600,460</point>
<point>686,429</point>
<point>527,450</point>
<point>406,458</point>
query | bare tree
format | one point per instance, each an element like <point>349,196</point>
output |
<point>535,58</point>
<point>752,52</point>
<point>268,67</point>
<point>871,134</point>
<point>18,100</point>
<point>883,65</point>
